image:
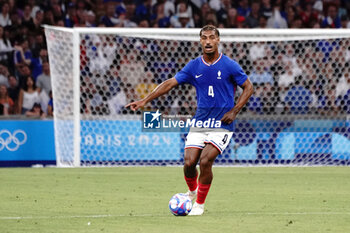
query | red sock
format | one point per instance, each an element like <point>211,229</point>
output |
<point>192,182</point>
<point>203,190</point>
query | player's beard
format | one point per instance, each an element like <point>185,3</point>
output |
<point>210,54</point>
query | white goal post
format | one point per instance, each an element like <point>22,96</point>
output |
<point>95,71</point>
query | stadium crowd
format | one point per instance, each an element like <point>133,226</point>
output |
<point>25,82</point>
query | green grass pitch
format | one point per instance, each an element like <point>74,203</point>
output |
<point>135,199</point>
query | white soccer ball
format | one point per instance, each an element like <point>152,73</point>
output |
<point>180,204</point>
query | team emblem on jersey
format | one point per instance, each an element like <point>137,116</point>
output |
<point>219,74</point>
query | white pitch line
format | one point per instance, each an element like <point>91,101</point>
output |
<point>154,215</point>
<point>301,213</point>
<point>76,216</point>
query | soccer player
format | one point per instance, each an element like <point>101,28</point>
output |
<point>215,77</point>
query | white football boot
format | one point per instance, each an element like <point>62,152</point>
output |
<point>197,209</point>
<point>192,194</point>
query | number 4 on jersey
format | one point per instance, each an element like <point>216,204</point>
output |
<point>211,91</point>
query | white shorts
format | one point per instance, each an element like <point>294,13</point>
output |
<point>220,139</point>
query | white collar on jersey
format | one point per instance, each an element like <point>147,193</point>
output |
<point>213,62</point>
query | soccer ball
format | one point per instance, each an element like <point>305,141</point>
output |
<point>180,204</point>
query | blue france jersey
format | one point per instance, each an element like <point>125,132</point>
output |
<point>215,86</point>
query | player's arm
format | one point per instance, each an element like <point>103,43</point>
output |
<point>161,89</point>
<point>230,116</point>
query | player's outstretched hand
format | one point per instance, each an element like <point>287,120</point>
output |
<point>229,117</point>
<point>136,105</point>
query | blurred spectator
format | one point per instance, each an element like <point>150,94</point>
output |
<point>257,51</point>
<point>345,102</point>
<point>260,74</point>
<point>16,20</point>
<point>90,19</point>
<point>288,77</point>
<point>263,21</point>
<point>5,15</point>
<point>22,74</point>
<point>38,43</point>
<point>71,17</point>
<point>200,19</point>
<point>128,18</point>
<point>37,63</point>
<point>116,103</point>
<point>57,12</point>
<point>211,18</point>
<point>6,48</point>
<point>22,55</point>
<point>308,15</point>
<point>132,65</point>
<point>35,24</point>
<point>43,82</point>
<point>36,111</point>
<point>27,19</point>
<point>296,23</point>
<point>49,18</point>
<point>252,20</point>
<point>6,103</point>
<point>289,58</point>
<point>291,16</point>
<point>110,19</point>
<point>182,19</point>
<point>222,11</point>
<point>217,4</point>
<point>160,19</point>
<point>243,8</point>
<point>266,8</point>
<point>50,105</point>
<point>34,7</point>
<point>4,73</point>
<point>143,11</point>
<point>268,98</point>
<point>28,96</point>
<point>298,98</point>
<point>332,19</point>
<point>344,20</point>
<point>146,85</point>
<point>143,24</point>
<point>328,103</point>
<point>255,104</point>
<point>81,7</point>
<point>276,20</point>
<point>232,16</point>
<point>13,91</point>
<point>343,84</point>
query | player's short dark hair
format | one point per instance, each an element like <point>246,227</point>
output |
<point>209,28</point>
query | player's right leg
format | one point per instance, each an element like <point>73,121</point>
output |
<point>193,149</point>
<point>207,159</point>
<point>191,158</point>
<point>216,142</point>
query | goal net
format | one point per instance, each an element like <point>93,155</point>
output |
<point>296,116</point>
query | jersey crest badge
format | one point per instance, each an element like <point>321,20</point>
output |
<point>219,75</point>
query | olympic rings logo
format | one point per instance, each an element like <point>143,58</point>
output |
<point>12,141</point>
